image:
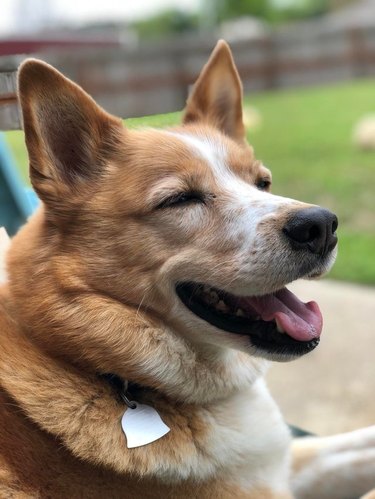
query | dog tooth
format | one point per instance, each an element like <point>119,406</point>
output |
<point>240,313</point>
<point>222,306</point>
<point>279,328</point>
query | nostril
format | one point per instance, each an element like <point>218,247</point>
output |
<point>314,233</point>
<point>302,231</point>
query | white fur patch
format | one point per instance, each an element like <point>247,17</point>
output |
<point>250,424</point>
<point>247,440</point>
<point>215,154</point>
<point>242,207</point>
<point>213,151</point>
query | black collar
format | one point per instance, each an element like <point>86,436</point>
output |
<point>125,390</point>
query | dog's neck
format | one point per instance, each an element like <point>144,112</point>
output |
<point>84,411</point>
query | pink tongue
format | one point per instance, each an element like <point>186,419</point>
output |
<point>301,321</point>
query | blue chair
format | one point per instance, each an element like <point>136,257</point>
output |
<point>17,202</point>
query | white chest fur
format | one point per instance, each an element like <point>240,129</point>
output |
<point>248,440</point>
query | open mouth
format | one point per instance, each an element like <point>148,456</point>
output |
<point>278,323</point>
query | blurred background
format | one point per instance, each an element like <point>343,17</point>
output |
<point>308,69</point>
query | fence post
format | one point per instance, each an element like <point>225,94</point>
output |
<point>358,52</point>
<point>10,116</point>
<point>270,65</point>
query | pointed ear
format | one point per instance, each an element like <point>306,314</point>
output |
<point>217,95</point>
<point>67,134</point>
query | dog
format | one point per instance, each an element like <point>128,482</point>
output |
<point>143,302</point>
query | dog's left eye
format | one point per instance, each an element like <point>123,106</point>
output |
<point>182,199</point>
<point>263,184</point>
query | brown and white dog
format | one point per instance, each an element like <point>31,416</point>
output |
<point>160,257</point>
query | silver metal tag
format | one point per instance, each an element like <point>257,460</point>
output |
<point>142,425</point>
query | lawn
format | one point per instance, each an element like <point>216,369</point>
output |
<point>305,138</point>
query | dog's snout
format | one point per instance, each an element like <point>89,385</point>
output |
<point>313,229</point>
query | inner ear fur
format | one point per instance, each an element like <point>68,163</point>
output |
<point>67,134</point>
<point>216,97</point>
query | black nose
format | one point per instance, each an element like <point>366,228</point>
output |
<point>313,229</point>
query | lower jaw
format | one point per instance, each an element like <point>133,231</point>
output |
<point>282,353</point>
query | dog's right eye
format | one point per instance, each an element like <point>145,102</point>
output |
<point>182,199</point>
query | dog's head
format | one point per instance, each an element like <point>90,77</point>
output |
<point>180,223</point>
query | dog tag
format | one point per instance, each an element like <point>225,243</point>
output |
<point>142,426</point>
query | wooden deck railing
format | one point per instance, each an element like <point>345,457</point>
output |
<point>10,117</point>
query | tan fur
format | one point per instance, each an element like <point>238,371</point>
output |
<point>64,320</point>
<point>89,293</point>
<point>70,410</point>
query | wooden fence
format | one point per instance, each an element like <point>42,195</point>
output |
<point>155,78</point>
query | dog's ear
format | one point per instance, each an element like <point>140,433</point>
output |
<point>67,134</point>
<point>216,97</point>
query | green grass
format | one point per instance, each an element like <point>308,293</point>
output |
<point>305,138</point>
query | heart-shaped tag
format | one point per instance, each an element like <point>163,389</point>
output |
<point>142,425</point>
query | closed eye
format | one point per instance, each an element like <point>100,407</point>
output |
<point>181,199</point>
